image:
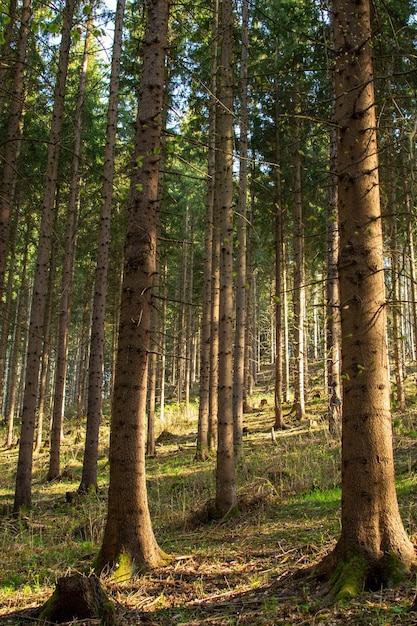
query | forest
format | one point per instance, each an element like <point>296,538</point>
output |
<point>208,329</point>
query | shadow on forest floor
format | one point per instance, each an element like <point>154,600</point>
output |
<point>235,571</point>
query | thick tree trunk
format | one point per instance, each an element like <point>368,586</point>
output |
<point>128,538</point>
<point>95,368</point>
<point>373,548</point>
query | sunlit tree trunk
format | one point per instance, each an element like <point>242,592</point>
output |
<point>286,379</point>
<point>373,548</point>
<point>279,262</point>
<point>299,304</point>
<point>96,357</point>
<point>333,331</point>
<point>413,279</point>
<point>241,221</point>
<point>226,491</point>
<point>128,537</point>
<point>23,492</point>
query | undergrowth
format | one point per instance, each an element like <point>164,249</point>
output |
<point>233,571</point>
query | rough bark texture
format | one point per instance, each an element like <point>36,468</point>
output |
<point>226,495</point>
<point>129,539</point>
<point>241,285</point>
<point>373,548</point>
<point>78,597</point>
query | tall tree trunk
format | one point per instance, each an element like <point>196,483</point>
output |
<point>279,263</point>
<point>333,334</point>
<point>300,355</point>
<point>15,357</point>
<point>12,141</point>
<point>241,286</point>
<point>6,55</point>
<point>413,278</point>
<point>226,491</point>
<point>396,309</point>
<point>373,548</point>
<point>128,536</point>
<point>11,147</point>
<point>23,492</point>
<point>97,340</point>
<point>67,279</point>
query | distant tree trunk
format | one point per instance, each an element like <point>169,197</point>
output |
<point>241,286</point>
<point>128,537</point>
<point>333,331</point>
<point>12,143</point>
<point>21,308</point>
<point>206,319</point>
<point>248,384</point>
<point>67,278</point>
<point>373,548</point>
<point>279,263</point>
<point>413,279</point>
<point>7,310</point>
<point>96,360</point>
<point>23,492</point>
<point>214,344</point>
<point>162,332</point>
<point>396,308</point>
<point>6,55</point>
<point>45,361</point>
<point>11,147</point>
<point>226,491</point>
<point>286,331</point>
<point>300,355</point>
<point>150,433</point>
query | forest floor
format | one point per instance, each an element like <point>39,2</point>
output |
<point>234,571</point>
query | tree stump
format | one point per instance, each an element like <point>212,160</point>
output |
<point>78,597</point>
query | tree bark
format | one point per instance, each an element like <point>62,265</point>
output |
<point>13,137</point>
<point>333,331</point>
<point>241,285</point>
<point>300,355</point>
<point>226,491</point>
<point>67,278</point>
<point>373,548</point>
<point>279,263</point>
<point>23,492</point>
<point>96,359</point>
<point>128,537</point>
